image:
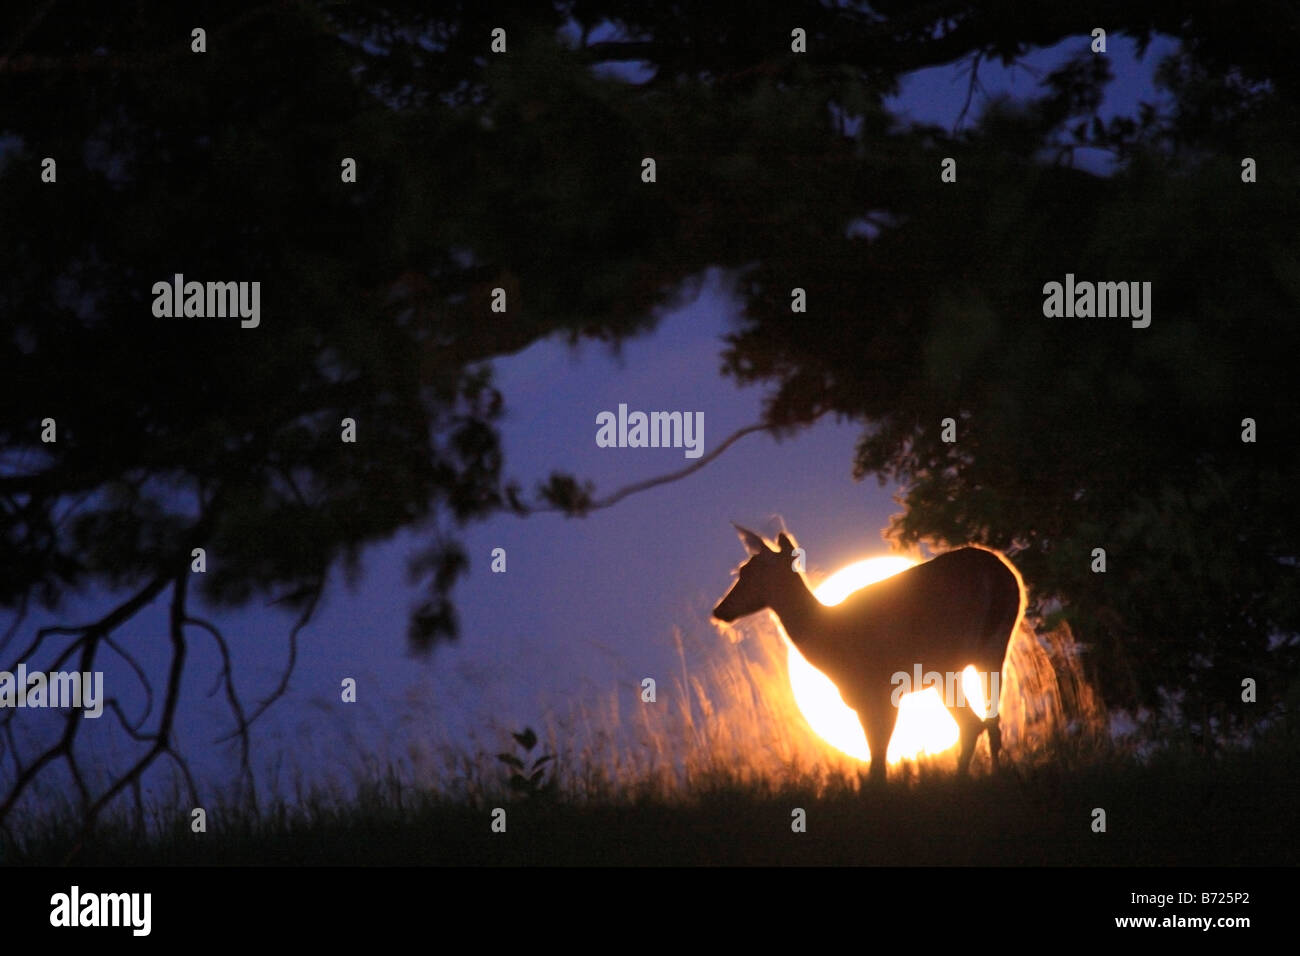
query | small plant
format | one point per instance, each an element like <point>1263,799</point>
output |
<point>529,779</point>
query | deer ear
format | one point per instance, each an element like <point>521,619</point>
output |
<point>785,544</point>
<point>753,542</point>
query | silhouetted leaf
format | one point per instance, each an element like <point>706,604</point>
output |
<point>567,494</point>
<point>512,760</point>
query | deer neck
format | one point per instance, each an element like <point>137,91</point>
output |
<point>801,614</point>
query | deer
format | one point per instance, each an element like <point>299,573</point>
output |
<point>957,609</point>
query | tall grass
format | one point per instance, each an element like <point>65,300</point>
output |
<point>722,745</point>
<point>728,719</point>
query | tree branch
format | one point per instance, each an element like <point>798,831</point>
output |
<point>639,486</point>
<point>227,678</point>
<point>283,686</point>
<point>970,90</point>
<point>162,742</point>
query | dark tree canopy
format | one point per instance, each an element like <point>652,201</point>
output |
<point>479,171</point>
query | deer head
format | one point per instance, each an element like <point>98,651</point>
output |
<point>767,575</point>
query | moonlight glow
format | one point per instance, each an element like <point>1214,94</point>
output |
<point>924,724</point>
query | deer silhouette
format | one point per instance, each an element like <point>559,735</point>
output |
<point>955,610</point>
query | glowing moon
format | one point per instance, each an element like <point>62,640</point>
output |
<point>924,724</point>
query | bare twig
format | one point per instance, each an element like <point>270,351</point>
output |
<point>109,622</point>
<point>19,616</point>
<point>970,90</point>
<point>139,673</point>
<point>162,742</point>
<point>227,678</point>
<point>63,748</point>
<point>133,731</point>
<point>639,486</point>
<point>283,686</point>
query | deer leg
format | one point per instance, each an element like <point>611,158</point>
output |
<point>878,719</point>
<point>995,739</point>
<point>970,726</point>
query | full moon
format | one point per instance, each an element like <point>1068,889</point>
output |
<point>924,724</point>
